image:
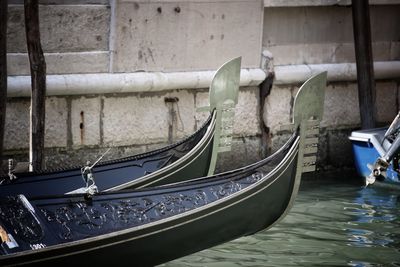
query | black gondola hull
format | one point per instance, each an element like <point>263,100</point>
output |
<point>188,158</point>
<point>242,212</point>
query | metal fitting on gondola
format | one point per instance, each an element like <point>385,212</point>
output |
<point>11,175</point>
<point>88,178</point>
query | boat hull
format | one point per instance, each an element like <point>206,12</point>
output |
<point>189,158</point>
<point>367,146</point>
<point>233,215</point>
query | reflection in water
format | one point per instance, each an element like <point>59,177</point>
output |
<point>331,224</point>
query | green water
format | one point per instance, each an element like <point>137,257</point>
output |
<point>331,224</point>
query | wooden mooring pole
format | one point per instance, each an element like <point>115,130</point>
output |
<point>364,61</point>
<point>38,79</point>
<point>3,71</point>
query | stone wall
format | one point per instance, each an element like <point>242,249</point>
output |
<point>308,33</point>
<point>129,36</point>
<point>158,37</point>
<point>75,38</point>
<point>78,127</point>
<point>165,39</point>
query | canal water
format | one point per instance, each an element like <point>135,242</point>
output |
<point>332,223</point>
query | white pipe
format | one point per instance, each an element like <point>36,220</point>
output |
<point>105,83</point>
<point>291,74</point>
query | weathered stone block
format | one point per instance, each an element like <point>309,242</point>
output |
<point>247,113</point>
<point>85,121</point>
<point>56,122</point>
<point>61,63</point>
<point>323,34</point>
<point>134,120</point>
<point>17,123</point>
<point>16,135</point>
<point>147,119</point>
<point>341,106</point>
<point>333,24</point>
<point>63,2</point>
<point>307,25</point>
<point>186,35</point>
<point>278,108</point>
<point>63,28</point>
<point>386,104</point>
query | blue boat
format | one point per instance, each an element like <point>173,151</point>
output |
<point>376,154</point>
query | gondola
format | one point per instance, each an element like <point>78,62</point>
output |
<point>154,225</point>
<point>192,157</point>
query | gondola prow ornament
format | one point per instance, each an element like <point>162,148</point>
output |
<point>223,97</point>
<point>88,178</point>
<point>11,174</point>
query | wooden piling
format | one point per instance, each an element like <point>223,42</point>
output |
<point>38,79</point>
<point>3,71</point>
<point>364,61</point>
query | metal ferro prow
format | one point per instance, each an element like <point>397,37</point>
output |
<point>223,97</point>
<point>307,113</point>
